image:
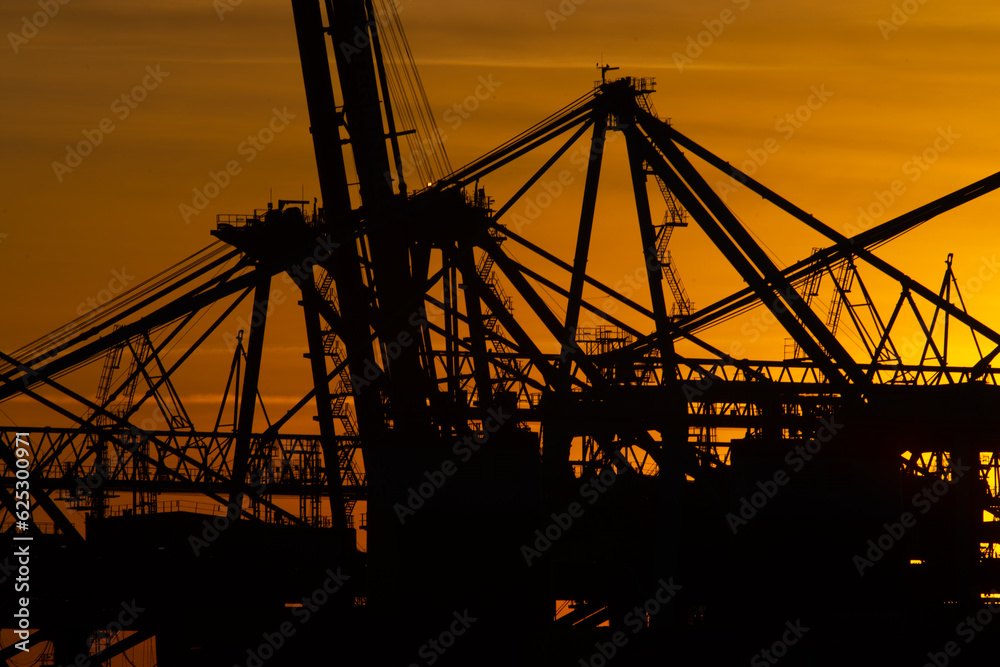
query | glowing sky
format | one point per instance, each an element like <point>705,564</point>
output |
<point>893,79</point>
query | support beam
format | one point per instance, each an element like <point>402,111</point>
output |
<point>512,270</point>
<point>541,170</point>
<point>807,321</point>
<point>861,243</point>
<point>886,340</point>
<point>545,254</point>
<point>524,341</point>
<point>311,299</point>
<point>477,332</point>
<point>764,291</point>
<point>345,264</point>
<point>568,339</point>
<point>41,497</point>
<point>323,116</point>
<point>559,123</point>
<point>647,234</point>
<point>390,120</point>
<point>248,398</point>
<point>362,107</point>
<point>176,309</point>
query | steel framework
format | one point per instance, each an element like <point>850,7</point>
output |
<point>430,344</point>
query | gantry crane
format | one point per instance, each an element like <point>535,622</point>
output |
<point>524,454</point>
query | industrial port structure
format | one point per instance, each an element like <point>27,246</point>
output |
<point>539,484</point>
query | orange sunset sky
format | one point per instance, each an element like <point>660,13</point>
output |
<point>896,78</point>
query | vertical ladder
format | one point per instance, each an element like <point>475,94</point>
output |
<point>845,279</point>
<point>491,321</point>
<point>342,411</point>
<point>809,291</point>
<point>673,217</point>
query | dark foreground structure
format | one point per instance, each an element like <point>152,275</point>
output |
<point>545,478</point>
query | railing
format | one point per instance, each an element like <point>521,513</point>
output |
<point>41,526</point>
<point>257,217</point>
<point>235,219</point>
<point>213,509</point>
<point>167,506</point>
<point>534,399</point>
<point>645,84</point>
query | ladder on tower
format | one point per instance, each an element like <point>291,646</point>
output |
<point>485,271</point>
<point>490,319</point>
<point>682,304</point>
<point>342,411</point>
<point>119,406</point>
<point>810,290</point>
<point>674,216</point>
<point>845,279</point>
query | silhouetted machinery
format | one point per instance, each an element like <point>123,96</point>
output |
<point>587,478</point>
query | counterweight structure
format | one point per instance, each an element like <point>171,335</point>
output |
<point>539,464</point>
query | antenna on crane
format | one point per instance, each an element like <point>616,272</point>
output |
<point>604,71</point>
